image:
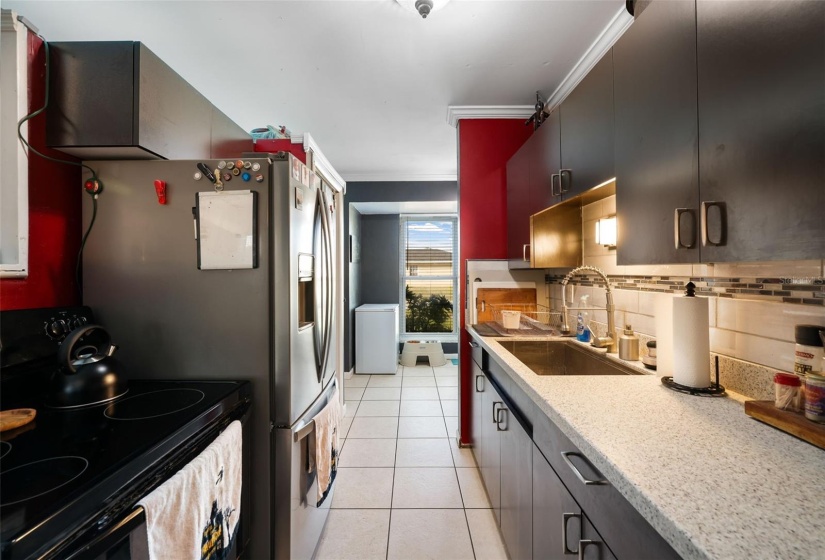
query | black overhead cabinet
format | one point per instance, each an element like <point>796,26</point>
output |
<point>587,132</point>
<point>761,129</point>
<point>656,146</point>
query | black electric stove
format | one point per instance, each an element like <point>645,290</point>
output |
<point>71,475</point>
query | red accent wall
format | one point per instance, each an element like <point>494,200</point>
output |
<point>55,225</point>
<point>273,145</point>
<point>484,146</point>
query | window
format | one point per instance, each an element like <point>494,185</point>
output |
<point>429,274</point>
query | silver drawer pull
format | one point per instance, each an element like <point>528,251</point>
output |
<point>473,344</point>
<point>565,517</point>
<point>500,419</point>
<point>584,544</point>
<point>480,377</point>
<point>524,252</point>
<point>566,456</point>
<point>495,413</point>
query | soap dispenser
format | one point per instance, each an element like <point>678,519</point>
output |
<point>583,321</point>
<point>628,345</point>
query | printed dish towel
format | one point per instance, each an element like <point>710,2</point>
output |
<point>194,514</point>
<point>324,445</point>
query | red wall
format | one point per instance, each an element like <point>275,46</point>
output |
<point>484,146</point>
<point>54,213</point>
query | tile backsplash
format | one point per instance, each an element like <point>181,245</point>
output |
<point>753,306</point>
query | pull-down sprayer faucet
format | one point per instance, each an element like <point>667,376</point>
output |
<point>611,340</point>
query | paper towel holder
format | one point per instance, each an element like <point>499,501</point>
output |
<point>715,389</point>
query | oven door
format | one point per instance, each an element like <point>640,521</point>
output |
<point>105,540</point>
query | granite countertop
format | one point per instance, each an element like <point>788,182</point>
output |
<point>712,481</point>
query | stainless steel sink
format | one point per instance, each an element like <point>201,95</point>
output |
<point>556,357</point>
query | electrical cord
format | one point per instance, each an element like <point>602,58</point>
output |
<point>93,186</point>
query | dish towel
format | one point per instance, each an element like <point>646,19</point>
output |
<point>324,445</point>
<point>194,514</point>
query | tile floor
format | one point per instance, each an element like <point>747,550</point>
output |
<point>404,488</point>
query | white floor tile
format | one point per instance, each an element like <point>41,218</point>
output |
<point>385,381</point>
<point>446,381</point>
<point>462,456</point>
<point>448,369</point>
<point>452,425</point>
<point>353,393</point>
<point>438,534</point>
<point>422,427</point>
<point>450,408</point>
<point>374,427</point>
<point>421,408</point>
<point>364,488</point>
<point>357,381</point>
<point>472,489</point>
<point>426,488</point>
<point>422,453</point>
<point>369,453</point>
<point>382,394</point>
<point>419,393</point>
<point>428,381</point>
<point>351,408</point>
<point>346,423</point>
<point>487,542</point>
<point>378,408</point>
<point>421,371</point>
<point>446,393</point>
<point>355,534</point>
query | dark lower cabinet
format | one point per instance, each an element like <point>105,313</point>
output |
<point>557,518</point>
<point>761,129</point>
<point>516,486</point>
<point>591,545</point>
<point>490,465</point>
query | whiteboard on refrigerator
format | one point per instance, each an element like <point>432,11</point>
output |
<point>227,230</point>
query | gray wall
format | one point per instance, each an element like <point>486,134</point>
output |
<point>371,273</point>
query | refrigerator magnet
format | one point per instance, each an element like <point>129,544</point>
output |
<point>296,168</point>
<point>304,175</point>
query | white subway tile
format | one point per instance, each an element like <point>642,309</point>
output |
<point>644,324</point>
<point>768,319</point>
<point>660,269</point>
<point>647,303</point>
<point>626,300</point>
<point>768,352</point>
<point>775,269</point>
<point>592,211</point>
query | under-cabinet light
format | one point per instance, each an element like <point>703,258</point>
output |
<point>606,232</point>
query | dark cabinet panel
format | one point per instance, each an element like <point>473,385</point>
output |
<point>479,384</point>
<point>516,486</point>
<point>592,545</point>
<point>761,82</point>
<point>587,131</point>
<point>656,146</point>
<point>547,158</point>
<point>490,466</point>
<point>556,515</point>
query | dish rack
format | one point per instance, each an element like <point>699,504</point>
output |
<point>533,319</point>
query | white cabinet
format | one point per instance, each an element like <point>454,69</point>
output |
<point>376,338</point>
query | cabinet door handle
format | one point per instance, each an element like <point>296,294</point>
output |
<point>566,456</point>
<point>501,418</point>
<point>473,344</point>
<point>565,517</point>
<point>723,223</point>
<point>495,414</point>
<point>682,243</point>
<point>553,178</point>
<point>480,377</point>
<point>524,252</point>
<point>584,543</point>
<point>561,179</point>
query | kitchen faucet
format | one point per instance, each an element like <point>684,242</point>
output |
<point>611,340</point>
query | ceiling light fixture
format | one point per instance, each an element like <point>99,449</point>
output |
<point>423,7</point>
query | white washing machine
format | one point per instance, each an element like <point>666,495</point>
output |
<point>376,338</point>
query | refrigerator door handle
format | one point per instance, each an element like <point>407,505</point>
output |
<point>328,283</point>
<point>317,245</point>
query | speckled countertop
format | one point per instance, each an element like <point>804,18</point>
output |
<point>712,481</point>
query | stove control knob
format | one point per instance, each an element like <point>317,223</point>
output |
<point>78,322</point>
<point>54,329</point>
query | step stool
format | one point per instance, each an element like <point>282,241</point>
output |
<point>413,349</point>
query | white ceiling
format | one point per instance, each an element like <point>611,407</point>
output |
<point>370,80</point>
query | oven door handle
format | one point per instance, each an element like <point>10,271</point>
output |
<point>111,536</point>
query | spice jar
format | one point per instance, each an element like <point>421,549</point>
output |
<point>808,352</point>
<point>815,398</point>
<point>788,392</point>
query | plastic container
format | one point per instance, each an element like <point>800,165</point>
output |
<point>815,398</point>
<point>788,391</point>
<point>808,354</point>
<point>510,319</point>
<point>629,345</point>
<point>582,322</point>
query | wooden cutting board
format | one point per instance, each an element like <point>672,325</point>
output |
<point>500,296</point>
<point>11,419</point>
<point>793,423</point>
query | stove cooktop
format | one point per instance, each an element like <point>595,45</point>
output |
<point>61,469</point>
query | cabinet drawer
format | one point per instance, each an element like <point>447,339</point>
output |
<point>478,354</point>
<point>628,534</point>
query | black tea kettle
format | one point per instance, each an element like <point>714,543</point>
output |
<point>88,374</point>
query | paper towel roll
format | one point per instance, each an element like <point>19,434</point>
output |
<point>691,342</point>
<point>664,334</point>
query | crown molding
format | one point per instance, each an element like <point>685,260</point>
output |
<point>320,162</point>
<point>603,43</point>
<point>457,112</point>
<point>378,177</point>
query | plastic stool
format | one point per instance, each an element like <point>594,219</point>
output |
<point>414,349</point>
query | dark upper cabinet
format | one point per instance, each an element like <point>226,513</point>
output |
<point>656,136</point>
<point>529,187</point>
<point>587,131</point>
<point>761,83</point>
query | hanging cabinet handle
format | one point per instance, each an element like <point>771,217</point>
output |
<point>501,418</point>
<point>680,242</point>
<point>524,252</point>
<point>584,543</point>
<point>722,220</point>
<point>579,475</point>
<point>495,413</point>
<point>473,343</point>
<point>561,179</point>
<point>480,377</point>
<point>565,517</point>
<point>553,178</point>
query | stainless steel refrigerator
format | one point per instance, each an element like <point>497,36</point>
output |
<point>200,287</point>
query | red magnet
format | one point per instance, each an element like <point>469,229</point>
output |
<point>160,189</point>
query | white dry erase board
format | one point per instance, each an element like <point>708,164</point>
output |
<point>227,228</point>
